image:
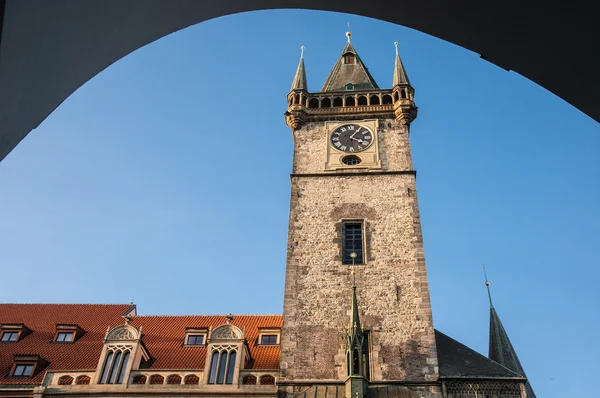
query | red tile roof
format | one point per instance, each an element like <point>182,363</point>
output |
<point>162,335</point>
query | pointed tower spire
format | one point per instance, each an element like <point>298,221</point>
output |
<point>356,352</point>
<point>299,82</point>
<point>501,349</point>
<point>400,76</point>
<point>349,72</point>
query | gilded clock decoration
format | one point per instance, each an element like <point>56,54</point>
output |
<point>351,138</point>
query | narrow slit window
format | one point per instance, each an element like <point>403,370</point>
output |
<point>352,242</point>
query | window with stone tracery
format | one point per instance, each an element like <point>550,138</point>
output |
<point>222,367</point>
<point>115,365</point>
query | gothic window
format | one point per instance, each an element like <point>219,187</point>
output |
<point>403,93</point>
<point>222,367</point>
<point>313,103</point>
<point>115,366</point>
<point>326,103</point>
<point>349,58</point>
<point>387,99</point>
<point>362,100</point>
<point>352,242</point>
<point>337,101</point>
<point>374,100</point>
<point>349,101</point>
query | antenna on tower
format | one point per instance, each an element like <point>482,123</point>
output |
<point>487,284</point>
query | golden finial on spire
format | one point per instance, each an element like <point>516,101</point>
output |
<point>348,33</point>
<point>396,44</point>
<point>487,284</point>
<point>302,52</point>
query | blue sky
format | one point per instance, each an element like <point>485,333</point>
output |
<point>167,177</point>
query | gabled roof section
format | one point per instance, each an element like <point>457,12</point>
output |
<point>299,82</point>
<point>344,73</point>
<point>400,76</point>
<point>502,351</point>
<point>456,360</point>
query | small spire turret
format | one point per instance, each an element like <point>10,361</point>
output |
<point>404,107</point>
<point>299,82</point>
<point>295,117</point>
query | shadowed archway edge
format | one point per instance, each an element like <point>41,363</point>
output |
<point>48,49</point>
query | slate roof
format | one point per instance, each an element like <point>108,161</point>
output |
<point>502,351</point>
<point>356,73</point>
<point>163,336</point>
<point>456,360</point>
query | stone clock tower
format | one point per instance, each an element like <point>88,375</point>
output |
<point>354,207</point>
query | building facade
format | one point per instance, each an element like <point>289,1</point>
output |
<point>357,317</point>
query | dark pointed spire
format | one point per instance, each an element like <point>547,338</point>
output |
<point>501,349</point>
<point>299,82</point>
<point>355,330</point>
<point>349,72</point>
<point>400,76</point>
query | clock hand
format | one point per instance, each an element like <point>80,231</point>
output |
<point>352,136</point>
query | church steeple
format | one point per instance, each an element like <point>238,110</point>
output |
<point>349,72</point>
<point>299,82</point>
<point>501,349</point>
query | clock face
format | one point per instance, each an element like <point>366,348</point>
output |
<point>351,138</point>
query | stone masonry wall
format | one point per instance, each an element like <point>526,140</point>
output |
<point>392,287</point>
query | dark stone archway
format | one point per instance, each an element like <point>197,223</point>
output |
<point>48,49</point>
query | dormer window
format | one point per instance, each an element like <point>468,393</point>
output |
<point>65,337</point>
<point>349,58</point>
<point>195,337</point>
<point>68,333</point>
<point>27,365</point>
<point>349,86</point>
<point>10,336</point>
<point>11,333</point>
<point>119,355</point>
<point>227,354</point>
<point>268,336</point>
<point>23,370</point>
